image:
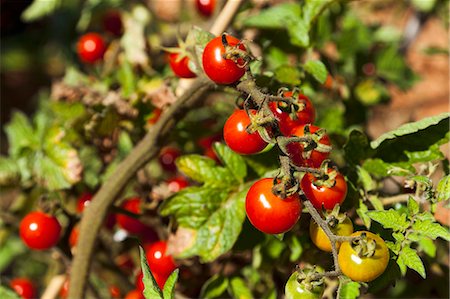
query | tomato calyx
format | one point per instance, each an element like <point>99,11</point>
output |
<point>326,177</point>
<point>310,278</point>
<point>334,218</point>
<point>364,246</point>
<point>284,183</point>
<point>241,57</point>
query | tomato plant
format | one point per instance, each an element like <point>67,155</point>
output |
<point>205,7</point>
<point>301,290</point>
<point>321,240</point>
<point>365,261</point>
<point>128,223</point>
<point>218,68</point>
<point>159,261</point>
<point>178,183</point>
<point>324,194</point>
<point>237,136</point>
<point>268,212</point>
<point>180,65</point>
<point>91,47</point>
<point>112,22</point>
<point>39,230</point>
<point>167,158</point>
<point>23,287</point>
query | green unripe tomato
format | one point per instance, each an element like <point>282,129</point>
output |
<point>299,290</point>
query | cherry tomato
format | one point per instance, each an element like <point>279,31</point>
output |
<point>23,287</point>
<point>39,230</point>
<point>208,141</point>
<point>177,183</point>
<point>320,239</point>
<point>160,280</point>
<point>115,292</point>
<point>298,290</point>
<point>154,116</point>
<point>130,224</point>
<point>205,7</point>
<point>91,47</point>
<point>363,268</point>
<point>219,69</point>
<point>286,123</point>
<point>167,158</point>
<point>73,238</point>
<point>64,291</point>
<point>296,149</point>
<point>83,201</point>
<point>324,196</point>
<point>148,235</point>
<point>158,261</point>
<point>180,66</point>
<point>236,136</point>
<point>134,294</point>
<point>268,212</point>
<point>112,22</point>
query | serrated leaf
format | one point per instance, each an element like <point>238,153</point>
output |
<point>376,202</point>
<point>203,169</point>
<point>214,287</point>
<point>366,180</point>
<point>298,32</point>
<point>219,233</point>
<point>6,293</point>
<point>198,37</point>
<point>39,9</point>
<point>151,290</point>
<point>390,219</point>
<point>193,206</point>
<point>443,189</point>
<point>20,134</point>
<point>421,179</point>
<point>394,247</point>
<point>317,69</point>
<point>274,17</point>
<point>413,207</point>
<point>411,259</point>
<point>431,229</point>
<point>169,286</point>
<point>238,289</point>
<point>382,169</point>
<point>431,154</point>
<point>312,8</point>
<point>288,75</point>
<point>427,245</point>
<point>399,237</point>
<point>349,290</point>
<point>49,174</point>
<point>415,136</point>
<point>362,213</point>
<point>126,78</point>
<point>9,171</point>
<point>232,161</point>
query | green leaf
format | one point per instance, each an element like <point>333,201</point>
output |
<point>214,287</point>
<point>238,289</point>
<point>20,134</point>
<point>151,290</point>
<point>203,169</point>
<point>362,213</point>
<point>133,40</point>
<point>11,248</point>
<point>312,8</point>
<point>92,166</point>
<point>126,78</point>
<point>349,290</point>
<point>232,161</point>
<point>431,154</point>
<point>411,259</point>
<point>370,92</point>
<point>9,171</point>
<point>366,180</point>
<point>390,219</point>
<point>198,37</point>
<point>443,189</point>
<point>295,247</point>
<point>317,69</point>
<point>220,231</point>
<point>6,293</point>
<point>193,206</point>
<point>357,147</point>
<point>298,31</point>
<point>382,169</point>
<point>427,245</point>
<point>424,5</point>
<point>169,286</point>
<point>413,207</point>
<point>421,179</point>
<point>39,9</point>
<point>288,75</point>
<point>431,229</point>
<point>274,17</point>
<point>415,136</point>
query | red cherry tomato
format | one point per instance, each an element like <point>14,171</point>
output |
<point>154,116</point>
<point>219,69</point>
<point>207,141</point>
<point>177,183</point>
<point>160,280</point>
<point>268,212</point>
<point>236,136</point>
<point>322,195</point>
<point>158,261</point>
<point>115,292</point>
<point>83,201</point>
<point>64,291</point>
<point>130,224</point>
<point>39,230</point>
<point>112,22</point>
<point>180,66</point>
<point>286,123</point>
<point>205,7</point>
<point>91,47</point>
<point>296,149</point>
<point>167,158</point>
<point>23,287</point>
<point>134,294</point>
<point>73,238</point>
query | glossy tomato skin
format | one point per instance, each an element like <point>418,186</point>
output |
<point>39,231</point>
<point>158,261</point>
<point>236,136</point>
<point>73,238</point>
<point>205,7</point>
<point>319,196</point>
<point>177,183</point>
<point>296,290</point>
<point>320,239</point>
<point>23,287</point>
<point>64,291</point>
<point>268,212</point>
<point>180,66</point>
<point>363,269</point>
<point>135,294</point>
<point>91,47</point>
<point>295,149</point>
<point>167,158</point>
<point>112,22</point>
<point>217,68</point>
<point>83,201</point>
<point>114,291</point>
<point>286,123</point>
<point>130,224</point>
